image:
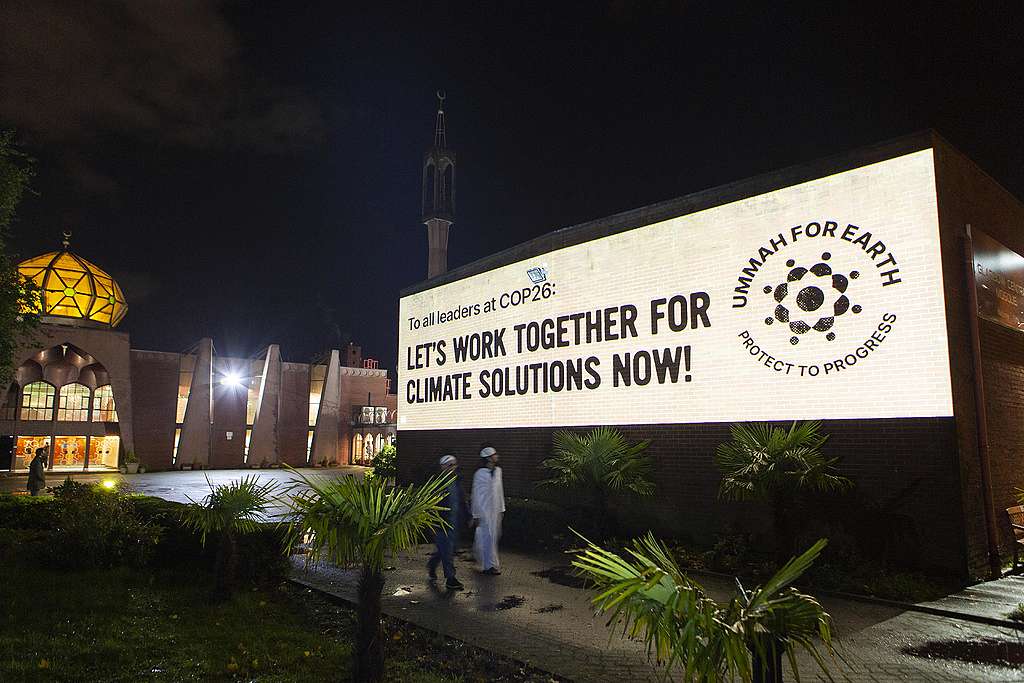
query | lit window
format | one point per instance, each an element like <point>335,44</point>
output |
<point>73,405</point>
<point>357,448</point>
<point>177,438</point>
<point>248,438</point>
<point>185,370</point>
<point>37,401</point>
<point>317,374</point>
<point>255,384</point>
<point>309,444</point>
<point>103,409</point>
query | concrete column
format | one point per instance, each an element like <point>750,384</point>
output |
<point>325,433</point>
<point>194,444</point>
<point>263,445</point>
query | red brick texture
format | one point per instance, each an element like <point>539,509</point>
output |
<point>966,195</point>
<point>154,401</point>
<point>907,465</point>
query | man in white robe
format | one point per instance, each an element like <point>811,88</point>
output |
<point>487,508</point>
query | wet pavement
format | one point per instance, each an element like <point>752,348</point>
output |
<point>536,613</point>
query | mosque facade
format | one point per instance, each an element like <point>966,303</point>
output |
<point>80,390</point>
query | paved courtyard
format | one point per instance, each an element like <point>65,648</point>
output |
<point>529,614</point>
<point>183,486</point>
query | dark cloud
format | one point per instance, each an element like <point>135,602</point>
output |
<point>169,72</point>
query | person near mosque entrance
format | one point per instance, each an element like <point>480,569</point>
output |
<point>488,508</point>
<point>447,538</point>
<point>37,472</point>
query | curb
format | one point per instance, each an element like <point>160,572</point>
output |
<point>896,604</point>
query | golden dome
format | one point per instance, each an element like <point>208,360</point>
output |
<point>71,287</point>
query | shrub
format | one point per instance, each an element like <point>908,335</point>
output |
<point>385,462</point>
<point>598,466</point>
<point>26,512</point>
<point>98,528</point>
<point>261,558</point>
<point>230,511</point>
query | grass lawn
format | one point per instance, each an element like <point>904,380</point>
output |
<point>160,622</point>
<point>120,625</point>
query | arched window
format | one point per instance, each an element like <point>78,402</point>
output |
<point>391,439</point>
<point>357,448</point>
<point>103,409</point>
<point>379,443</point>
<point>73,404</point>
<point>368,451</point>
<point>37,401</point>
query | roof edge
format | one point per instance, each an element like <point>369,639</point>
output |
<point>687,204</point>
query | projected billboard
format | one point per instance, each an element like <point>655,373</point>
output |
<point>817,301</point>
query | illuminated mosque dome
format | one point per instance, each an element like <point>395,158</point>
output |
<point>73,290</point>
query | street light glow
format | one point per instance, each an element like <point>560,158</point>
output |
<point>232,379</point>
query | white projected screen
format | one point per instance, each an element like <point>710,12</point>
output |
<point>818,301</point>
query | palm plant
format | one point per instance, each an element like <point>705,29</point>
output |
<point>360,522</point>
<point>777,465</point>
<point>691,634</point>
<point>599,465</point>
<point>229,510</point>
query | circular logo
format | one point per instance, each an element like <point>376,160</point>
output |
<point>811,298</point>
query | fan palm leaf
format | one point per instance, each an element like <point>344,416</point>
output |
<point>688,632</point>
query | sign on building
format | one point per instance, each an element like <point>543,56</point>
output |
<point>819,300</point>
<point>999,281</point>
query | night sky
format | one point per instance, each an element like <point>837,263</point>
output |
<point>251,171</point>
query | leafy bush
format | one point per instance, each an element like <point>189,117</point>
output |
<point>261,558</point>
<point>230,511</point>
<point>597,466</point>
<point>385,463</point>
<point>94,527</point>
<point>26,512</point>
<point>648,594</point>
<point>778,466</point>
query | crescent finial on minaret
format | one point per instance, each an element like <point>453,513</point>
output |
<point>67,239</point>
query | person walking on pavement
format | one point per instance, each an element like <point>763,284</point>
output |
<point>37,472</point>
<point>447,538</point>
<point>488,508</point>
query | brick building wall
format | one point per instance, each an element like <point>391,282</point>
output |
<point>228,416</point>
<point>969,196</point>
<point>154,392</point>
<point>908,466</point>
<point>294,417</point>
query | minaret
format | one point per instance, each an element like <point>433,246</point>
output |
<point>438,195</point>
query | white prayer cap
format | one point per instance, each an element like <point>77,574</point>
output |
<point>447,460</point>
<point>487,452</point>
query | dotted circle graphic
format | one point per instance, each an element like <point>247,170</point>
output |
<point>811,299</point>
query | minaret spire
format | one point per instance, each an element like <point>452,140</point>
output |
<point>438,195</point>
<point>67,239</point>
<point>439,141</point>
